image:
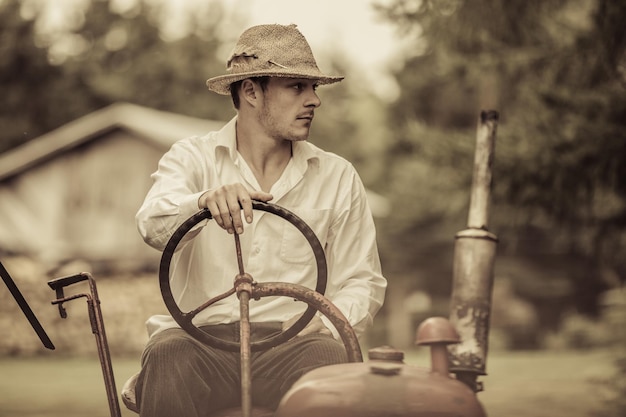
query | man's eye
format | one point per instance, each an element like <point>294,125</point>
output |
<point>301,86</point>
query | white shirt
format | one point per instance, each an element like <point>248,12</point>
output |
<point>321,188</point>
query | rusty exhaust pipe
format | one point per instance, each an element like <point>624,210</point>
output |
<point>474,255</point>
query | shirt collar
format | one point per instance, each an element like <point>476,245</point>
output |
<point>227,139</point>
<point>302,151</point>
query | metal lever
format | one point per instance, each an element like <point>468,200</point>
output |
<point>28,312</point>
<point>97,328</point>
<point>59,284</point>
<point>243,286</point>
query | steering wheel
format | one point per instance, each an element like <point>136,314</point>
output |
<point>184,319</point>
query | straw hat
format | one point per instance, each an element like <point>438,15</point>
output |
<point>270,50</point>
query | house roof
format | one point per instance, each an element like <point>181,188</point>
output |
<point>160,127</point>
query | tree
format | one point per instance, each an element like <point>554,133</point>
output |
<point>27,80</point>
<point>114,57</point>
<point>106,55</point>
<point>128,59</point>
<point>555,71</point>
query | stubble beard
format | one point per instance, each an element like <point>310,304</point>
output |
<point>274,130</point>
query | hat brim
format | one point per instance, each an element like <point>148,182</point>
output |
<point>221,84</point>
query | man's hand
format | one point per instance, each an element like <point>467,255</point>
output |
<point>226,202</point>
<point>316,325</point>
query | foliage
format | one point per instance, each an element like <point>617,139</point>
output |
<point>128,60</point>
<point>555,71</point>
<point>352,123</point>
<point>616,383</point>
<point>27,81</point>
<point>581,333</point>
<point>111,57</point>
<point>104,55</point>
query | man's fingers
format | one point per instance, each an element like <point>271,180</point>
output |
<point>246,205</point>
<point>226,203</point>
<point>246,202</point>
<point>234,213</point>
<point>261,196</point>
<point>215,212</point>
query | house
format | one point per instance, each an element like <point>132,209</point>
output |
<point>67,204</point>
<point>73,193</point>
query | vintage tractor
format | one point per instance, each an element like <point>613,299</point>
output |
<point>384,386</point>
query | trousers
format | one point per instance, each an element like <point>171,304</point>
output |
<point>183,377</point>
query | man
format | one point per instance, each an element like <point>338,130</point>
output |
<point>261,154</point>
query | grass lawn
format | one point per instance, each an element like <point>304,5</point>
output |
<point>520,384</point>
<point>540,384</point>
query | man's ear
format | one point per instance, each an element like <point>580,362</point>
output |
<point>249,90</point>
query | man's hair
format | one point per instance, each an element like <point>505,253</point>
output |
<point>234,88</point>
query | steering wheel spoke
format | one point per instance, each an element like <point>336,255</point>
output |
<point>246,288</point>
<point>193,313</point>
<point>183,318</point>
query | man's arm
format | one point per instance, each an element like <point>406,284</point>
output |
<point>356,284</point>
<point>173,197</point>
<point>182,186</point>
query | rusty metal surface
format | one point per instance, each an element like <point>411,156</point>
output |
<point>244,337</point>
<point>246,288</point>
<point>97,328</point>
<point>478,216</point>
<point>243,287</point>
<point>435,330</point>
<point>184,319</point>
<point>321,304</point>
<point>470,308</point>
<point>438,333</point>
<point>474,255</point>
<point>378,389</point>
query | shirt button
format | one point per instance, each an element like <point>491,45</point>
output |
<point>257,250</point>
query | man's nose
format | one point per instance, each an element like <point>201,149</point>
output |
<point>313,99</point>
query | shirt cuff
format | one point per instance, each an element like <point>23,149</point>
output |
<point>189,205</point>
<point>330,326</point>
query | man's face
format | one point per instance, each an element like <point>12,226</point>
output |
<point>287,108</point>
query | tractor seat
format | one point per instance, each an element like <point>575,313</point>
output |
<point>130,401</point>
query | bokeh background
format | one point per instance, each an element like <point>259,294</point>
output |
<point>94,91</point>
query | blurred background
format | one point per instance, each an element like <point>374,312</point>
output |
<point>95,91</point>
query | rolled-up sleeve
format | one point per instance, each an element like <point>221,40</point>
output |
<point>357,286</point>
